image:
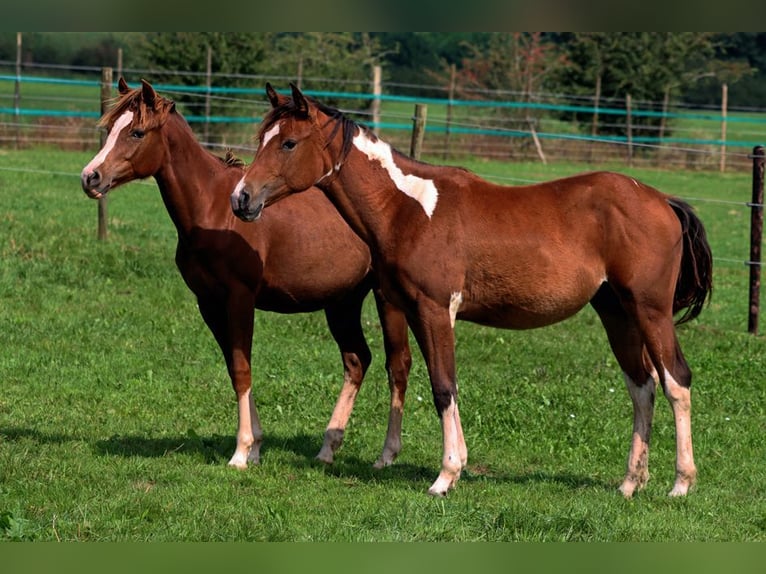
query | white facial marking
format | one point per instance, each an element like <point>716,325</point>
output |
<point>269,134</point>
<point>454,306</point>
<point>422,190</point>
<point>239,188</point>
<point>122,122</point>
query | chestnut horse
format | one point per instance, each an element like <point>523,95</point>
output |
<point>234,268</point>
<point>448,245</point>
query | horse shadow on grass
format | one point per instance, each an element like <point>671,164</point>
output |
<point>216,449</point>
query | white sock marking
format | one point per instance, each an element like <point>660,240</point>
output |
<point>122,122</point>
<point>421,190</point>
<point>454,306</point>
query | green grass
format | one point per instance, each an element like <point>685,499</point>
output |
<point>117,417</point>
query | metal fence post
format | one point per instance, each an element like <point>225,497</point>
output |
<point>756,237</point>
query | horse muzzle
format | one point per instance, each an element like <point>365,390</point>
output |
<point>243,206</point>
<point>93,184</point>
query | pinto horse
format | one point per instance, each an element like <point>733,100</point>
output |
<point>234,268</point>
<point>448,245</point>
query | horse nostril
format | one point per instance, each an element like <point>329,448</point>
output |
<point>93,179</point>
<point>244,198</point>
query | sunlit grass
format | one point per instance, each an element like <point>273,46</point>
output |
<point>117,417</point>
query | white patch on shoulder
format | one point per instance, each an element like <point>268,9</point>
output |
<point>111,140</point>
<point>455,301</point>
<point>421,190</point>
<point>270,134</point>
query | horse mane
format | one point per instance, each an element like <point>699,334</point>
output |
<point>133,101</point>
<point>231,160</point>
<point>342,122</point>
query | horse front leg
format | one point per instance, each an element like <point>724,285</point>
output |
<point>436,339</point>
<point>232,326</point>
<point>398,365</point>
<point>345,323</point>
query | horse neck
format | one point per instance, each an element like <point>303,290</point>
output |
<point>370,200</point>
<point>190,179</point>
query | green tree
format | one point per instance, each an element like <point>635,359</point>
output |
<point>325,61</point>
<point>651,67</point>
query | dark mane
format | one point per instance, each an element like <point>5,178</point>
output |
<point>133,101</point>
<point>231,160</point>
<point>342,122</point>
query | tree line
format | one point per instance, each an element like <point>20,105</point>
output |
<point>601,68</point>
<point>647,64</point>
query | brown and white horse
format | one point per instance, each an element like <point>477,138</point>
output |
<point>234,268</point>
<point>448,245</point>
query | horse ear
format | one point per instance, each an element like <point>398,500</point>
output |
<point>272,95</point>
<point>148,93</point>
<point>122,86</point>
<point>299,100</point>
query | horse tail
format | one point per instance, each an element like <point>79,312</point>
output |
<point>695,278</point>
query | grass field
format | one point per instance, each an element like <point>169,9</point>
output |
<point>117,417</point>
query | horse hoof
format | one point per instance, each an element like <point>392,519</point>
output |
<point>627,490</point>
<point>437,492</point>
<point>238,465</point>
<point>324,458</point>
<point>384,460</point>
<point>679,490</point>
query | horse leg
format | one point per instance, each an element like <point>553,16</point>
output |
<point>232,327</point>
<point>663,359</point>
<point>398,363</point>
<point>627,345</point>
<point>344,321</point>
<point>433,331</point>
<point>675,377</point>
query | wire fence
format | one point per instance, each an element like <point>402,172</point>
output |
<point>60,106</point>
<point>42,110</point>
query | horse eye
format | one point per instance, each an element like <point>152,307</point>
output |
<point>137,134</point>
<point>288,144</point>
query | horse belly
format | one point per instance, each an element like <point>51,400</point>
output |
<point>518,317</point>
<point>526,303</point>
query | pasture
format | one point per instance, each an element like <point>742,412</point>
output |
<point>117,417</point>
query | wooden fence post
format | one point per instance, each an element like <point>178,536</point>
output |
<point>17,90</point>
<point>724,108</point>
<point>208,84</point>
<point>377,90</point>
<point>418,130</point>
<point>756,236</point>
<point>450,96</point>
<point>629,126</point>
<point>106,97</point>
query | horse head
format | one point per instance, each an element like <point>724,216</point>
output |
<point>131,148</point>
<point>294,153</point>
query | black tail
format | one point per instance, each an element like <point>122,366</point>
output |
<point>695,279</point>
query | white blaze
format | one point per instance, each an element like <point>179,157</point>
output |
<point>240,186</point>
<point>269,134</point>
<point>122,122</point>
<point>421,190</point>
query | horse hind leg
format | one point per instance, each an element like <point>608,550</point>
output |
<point>627,345</point>
<point>344,321</point>
<point>676,384</point>
<point>673,373</point>
<point>398,364</point>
